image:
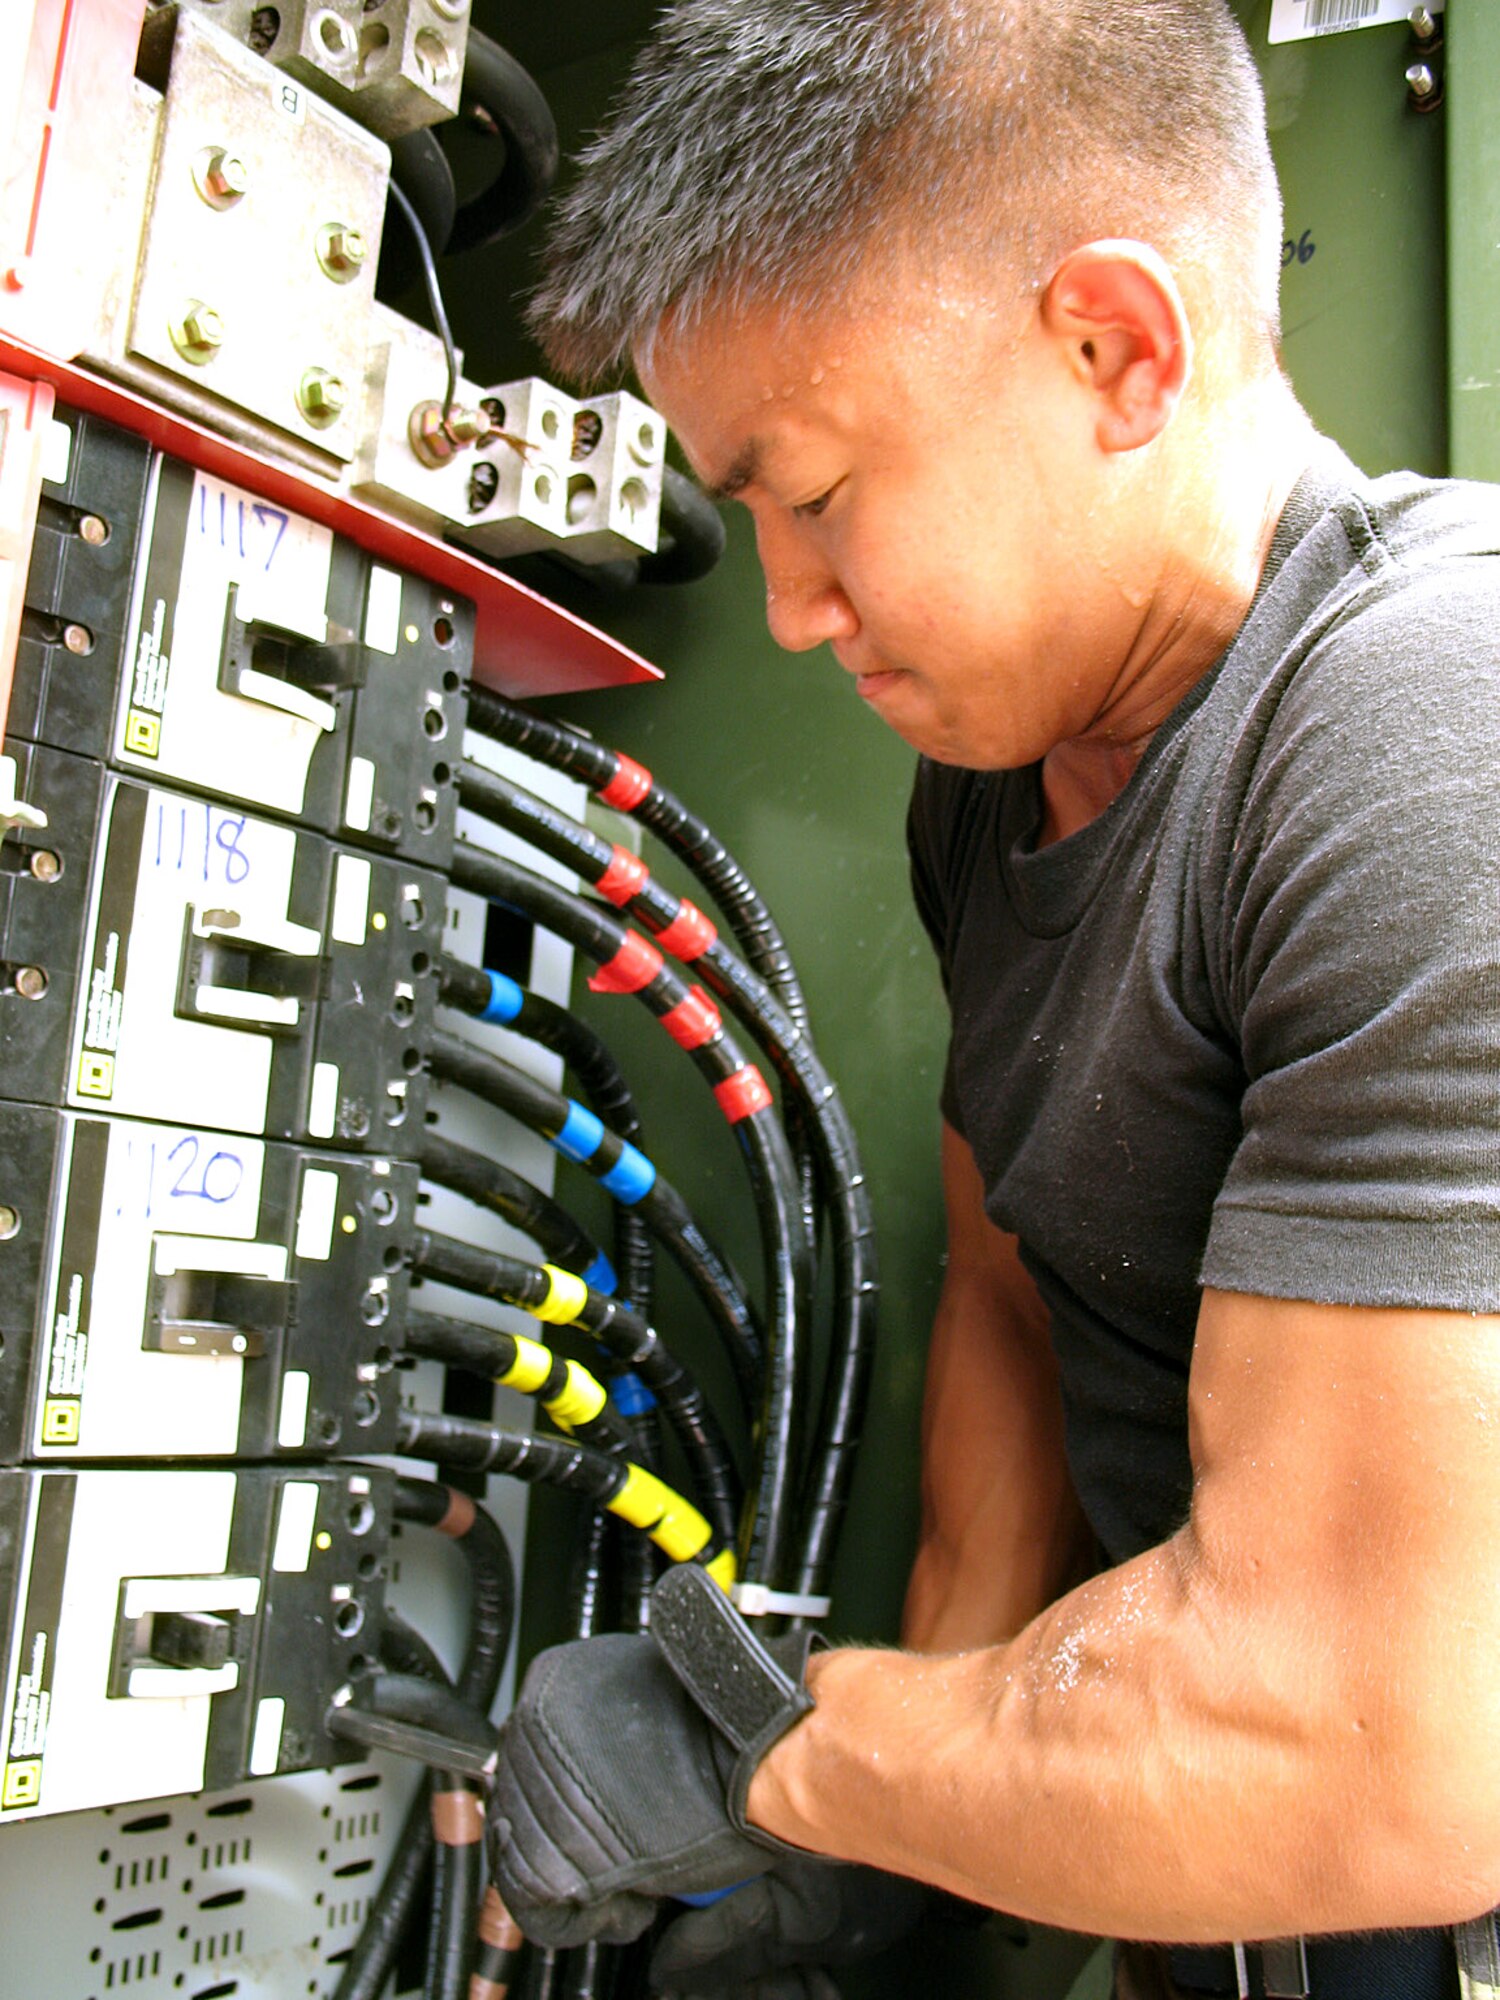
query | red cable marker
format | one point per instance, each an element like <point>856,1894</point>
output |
<point>742,1094</point>
<point>689,934</point>
<point>633,966</point>
<point>629,785</point>
<point>625,877</point>
<point>693,1021</point>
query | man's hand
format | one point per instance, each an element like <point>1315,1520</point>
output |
<point>770,1936</point>
<point>613,1787</point>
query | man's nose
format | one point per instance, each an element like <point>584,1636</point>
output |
<point>805,602</point>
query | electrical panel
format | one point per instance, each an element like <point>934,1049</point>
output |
<point>276,961</point>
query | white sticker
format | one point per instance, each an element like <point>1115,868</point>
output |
<point>351,900</point>
<point>265,1745</point>
<point>57,452</point>
<point>294,1529</point>
<point>383,611</point>
<point>320,1200</point>
<point>323,1100</point>
<point>291,1428</point>
<point>360,797</point>
<point>1301,20</point>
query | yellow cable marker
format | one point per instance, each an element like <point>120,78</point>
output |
<point>581,1400</point>
<point>566,1297</point>
<point>531,1367</point>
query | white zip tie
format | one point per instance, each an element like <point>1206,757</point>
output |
<point>758,1600</point>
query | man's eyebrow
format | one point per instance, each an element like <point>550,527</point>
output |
<point>745,468</point>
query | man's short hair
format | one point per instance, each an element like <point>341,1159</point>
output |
<point>774,152</point>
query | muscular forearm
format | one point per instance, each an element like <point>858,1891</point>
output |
<point>1147,1759</point>
<point>1281,1720</point>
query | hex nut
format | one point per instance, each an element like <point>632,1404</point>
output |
<point>220,176</point>
<point>343,251</point>
<point>197,332</point>
<point>321,397</point>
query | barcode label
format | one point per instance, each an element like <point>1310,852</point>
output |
<point>1300,20</point>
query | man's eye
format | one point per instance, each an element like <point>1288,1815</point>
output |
<point>814,507</point>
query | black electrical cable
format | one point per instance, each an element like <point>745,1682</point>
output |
<point>490,1185</point>
<point>491,1352</point>
<point>785,1242</point>
<point>665,1212</point>
<point>434,295</point>
<point>599,1076</point>
<point>621,782</point>
<point>492,1593</point>
<point>630,1341</point>
<point>553,1461</point>
<point>420,168</point>
<point>505,101</point>
<point>805,1080</point>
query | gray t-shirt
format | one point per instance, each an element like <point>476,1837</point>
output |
<point>1244,1029</point>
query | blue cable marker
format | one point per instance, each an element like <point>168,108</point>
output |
<point>506,998</point>
<point>631,1178</point>
<point>581,1136</point>
<point>600,1276</point>
<point>630,1396</point>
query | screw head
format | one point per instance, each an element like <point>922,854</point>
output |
<point>45,865</point>
<point>10,1222</point>
<point>226,175</point>
<point>321,396</point>
<point>31,982</point>
<point>78,639</point>
<point>197,331</point>
<point>94,531</point>
<point>347,248</point>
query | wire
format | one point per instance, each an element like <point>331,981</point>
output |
<point>628,964</point>
<point>434,294</point>
<point>492,1186</point>
<point>624,1173</point>
<point>491,996</point>
<point>626,1490</point>
<point>627,1338</point>
<point>620,876</point>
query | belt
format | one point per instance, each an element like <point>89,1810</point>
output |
<point>1377,1965</point>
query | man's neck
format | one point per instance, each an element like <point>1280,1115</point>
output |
<point>1206,585</point>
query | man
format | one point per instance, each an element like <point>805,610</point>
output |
<point>972,303</point>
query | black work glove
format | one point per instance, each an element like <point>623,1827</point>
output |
<point>803,1913</point>
<point>614,1788</point>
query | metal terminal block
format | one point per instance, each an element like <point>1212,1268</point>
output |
<point>406,461</point>
<point>614,478</point>
<point>233,304</point>
<point>395,65</point>
<point>517,493</point>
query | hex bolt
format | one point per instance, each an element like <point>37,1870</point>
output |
<point>346,248</point>
<point>198,333</point>
<point>94,531</point>
<point>10,1222</point>
<point>31,982</point>
<point>225,175</point>
<point>45,865</point>
<point>1423,24</point>
<point>321,396</point>
<point>78,639</point>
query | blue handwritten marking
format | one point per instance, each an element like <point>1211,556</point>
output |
<point>272,522</point>
<point>222,835</point>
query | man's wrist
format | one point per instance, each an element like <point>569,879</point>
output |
<point>781,1796</point>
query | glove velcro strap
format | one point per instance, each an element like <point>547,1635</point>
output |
<point>742,1689</point>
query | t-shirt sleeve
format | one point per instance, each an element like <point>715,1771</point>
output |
<point>1358,962</point>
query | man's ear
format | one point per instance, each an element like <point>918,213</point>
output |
<point>1116,308</point>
